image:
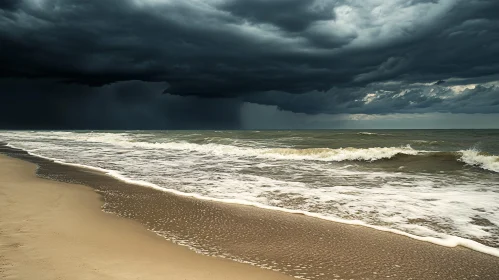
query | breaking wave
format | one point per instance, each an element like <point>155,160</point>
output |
<point>343,154</point>
<point>472,157</point>
<point>479,159</point>
<point>318,154</point>
<point>367,133</point>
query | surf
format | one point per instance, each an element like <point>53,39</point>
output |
<point>445,240</point>
<point>349,183</point>
<point>479,159</point>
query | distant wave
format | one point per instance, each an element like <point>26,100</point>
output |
<point>367,133</point>
<point>427,142</point>
<point>372,134</point>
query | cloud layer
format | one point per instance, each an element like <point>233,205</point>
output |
<point>317,56</point>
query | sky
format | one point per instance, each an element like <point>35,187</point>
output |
<point>249,64</point>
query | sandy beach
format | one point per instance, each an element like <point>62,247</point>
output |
<point>52,230</point>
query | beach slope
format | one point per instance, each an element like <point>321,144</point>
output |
<point>53,230</point>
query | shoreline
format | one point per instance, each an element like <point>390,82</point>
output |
<point>313,248</point>
<point>450,242</point>
<point>55,230</point>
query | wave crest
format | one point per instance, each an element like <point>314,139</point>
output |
<point>471,157</point>
<point>367,133</point>
<point>344,154</point>
<point>319,154</point>
<point>476,158</point>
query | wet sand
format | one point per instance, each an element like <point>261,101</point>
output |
<point>52,230</point>
<point>296,245</point>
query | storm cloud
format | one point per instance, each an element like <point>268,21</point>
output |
<point>382,98</point>
<point>44,104</point>
<point>312,57</point>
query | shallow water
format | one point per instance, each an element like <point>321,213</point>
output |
<point>429,183</point>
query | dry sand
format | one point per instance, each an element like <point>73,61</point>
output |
<point>52,230</point>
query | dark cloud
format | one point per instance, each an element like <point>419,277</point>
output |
<point>45,104</point>
<point>289,15</point>
<point>386,99</point>
<point>232,47</point>
<point>320,56</point>
<point>8,4</point>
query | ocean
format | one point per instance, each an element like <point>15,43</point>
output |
<point>440,186</point>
